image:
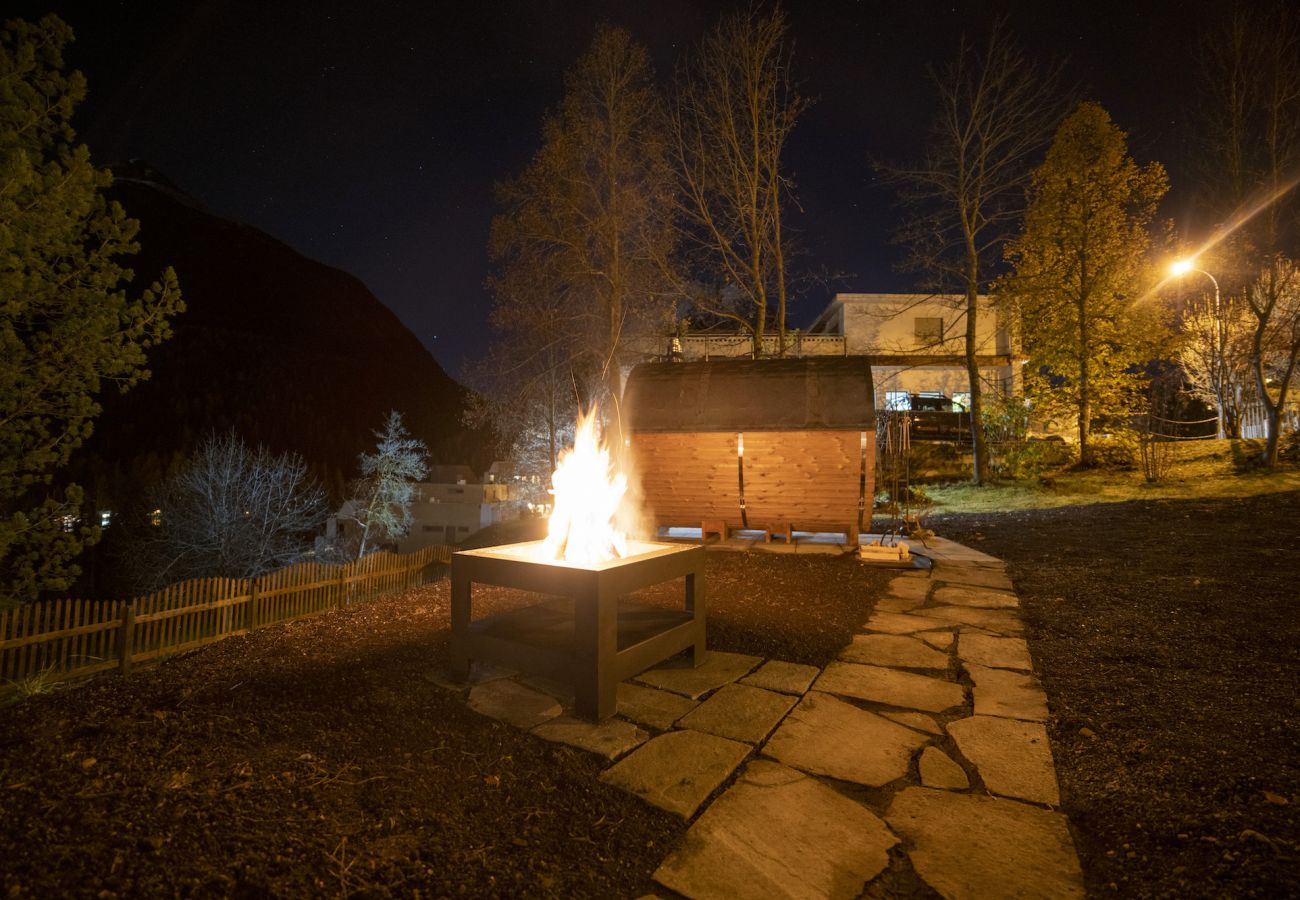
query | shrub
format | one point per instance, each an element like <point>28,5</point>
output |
<point>1116,450</point>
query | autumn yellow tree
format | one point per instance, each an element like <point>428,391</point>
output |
<point>1079,268</point>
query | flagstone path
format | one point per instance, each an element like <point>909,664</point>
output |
<point>921,752</point>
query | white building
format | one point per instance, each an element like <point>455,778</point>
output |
<point>918,344</point>
<point>447,509</point>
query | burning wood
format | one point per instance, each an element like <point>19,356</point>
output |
<point>587,496</point>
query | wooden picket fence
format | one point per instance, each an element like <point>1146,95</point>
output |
<point>61,639</point>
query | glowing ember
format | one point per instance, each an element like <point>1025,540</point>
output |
<point>587,496</point>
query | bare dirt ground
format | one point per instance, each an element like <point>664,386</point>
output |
<point>321,758</point>
<point>1168,638</point>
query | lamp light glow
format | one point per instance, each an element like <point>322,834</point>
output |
<point>1180,267</point>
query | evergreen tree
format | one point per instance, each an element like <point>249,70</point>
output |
<point>381,498</point>
<point>1080,266</point>
<point>68,322</point>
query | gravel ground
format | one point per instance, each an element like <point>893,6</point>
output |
<point>322,758</point>
<point>1168,638</point>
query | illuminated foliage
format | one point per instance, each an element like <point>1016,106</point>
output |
<point>68,324</point>
<point>1080,267</point>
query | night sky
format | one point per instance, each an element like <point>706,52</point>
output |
<point>369,135</point>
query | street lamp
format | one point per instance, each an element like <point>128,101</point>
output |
<point>1178,269</point>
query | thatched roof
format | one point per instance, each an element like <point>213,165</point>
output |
<point>821,392</point>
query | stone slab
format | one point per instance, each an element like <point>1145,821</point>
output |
<point>610,739</point>
<point>1014,695</point>
<point>739,712</point>
<point>970,847</point>
<point>1012,757</point>
<point>1000,621</point>
<point>945,550</point>
<point>897,623</point>
<point>995,652</point>
<point>897,605</point>
<point>512,703</point>
<point>907,587</point>
<point>939,640</point>
<point>649,706</point>
<point>783,677</point>
<point>893,650</point>
<point>975,575</point>
<point>890,687</point>
<point>826,736</point>
<point>778,833</point>
<point>717,669</point>
<point>677,771</point>
<point>983,598</point>
<point>919,721</point>
<point>938,770</point>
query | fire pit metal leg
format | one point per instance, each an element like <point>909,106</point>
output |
<point>460,588</point>
<point>596,650</point>
<point>694,596</point>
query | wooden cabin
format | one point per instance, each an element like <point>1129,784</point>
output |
<point>773,444</point>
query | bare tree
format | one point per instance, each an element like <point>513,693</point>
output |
<point>231,512</point>
<point>1251,130</point>
<point>997,111</point>
<point>1214,351</point>
<point>380,504</point>
<point>1252,154</point>
<point>1274,301</point>
<point>588,221</point>
<point>734,109</point>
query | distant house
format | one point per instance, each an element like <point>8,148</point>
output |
<point>448,508</point>
<point>918,344</point>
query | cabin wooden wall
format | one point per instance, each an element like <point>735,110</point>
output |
<point>807,479</point>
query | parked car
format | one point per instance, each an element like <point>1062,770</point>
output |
<point>938,419</point>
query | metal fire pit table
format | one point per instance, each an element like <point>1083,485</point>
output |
<point>587,634</point>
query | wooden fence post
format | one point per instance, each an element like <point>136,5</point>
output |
<point>253,617</point>
<point>126,638</point>
<point>343,585</point>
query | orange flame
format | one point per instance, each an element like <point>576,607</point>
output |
<point>587,496</point>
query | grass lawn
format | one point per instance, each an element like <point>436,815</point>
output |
<point>1201,470</point>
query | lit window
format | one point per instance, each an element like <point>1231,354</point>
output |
<point>155,518</point>
<point>105,517</point>
<point>898,400</point>
<point>961,401</point>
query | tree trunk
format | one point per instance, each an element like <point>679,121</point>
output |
<point>979,447</point>
<point>1085,411</point>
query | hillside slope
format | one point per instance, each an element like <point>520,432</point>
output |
<point>289,352</point>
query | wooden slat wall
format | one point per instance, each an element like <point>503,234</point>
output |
<point>688,476</point>
<point>64,638</point>
<point>808,479</point>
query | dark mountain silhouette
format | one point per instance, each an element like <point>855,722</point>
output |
<point>287,351</point>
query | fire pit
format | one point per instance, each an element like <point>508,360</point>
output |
<point>588,633</point>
